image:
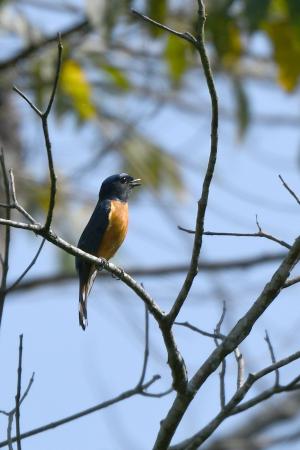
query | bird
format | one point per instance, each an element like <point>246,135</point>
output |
<point>104,232</point>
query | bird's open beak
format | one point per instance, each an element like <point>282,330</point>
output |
<point>135,183</point>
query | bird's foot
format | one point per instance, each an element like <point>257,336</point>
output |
<point>102,264</point>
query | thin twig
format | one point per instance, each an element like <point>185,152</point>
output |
<point>289,189</point>
<point>239,332</point>
<point>158,394</point>
<point>272,354</point>
<point>9,430</point>
<point>240,367</point>
<point>230,408</point>
<point>20,278</point>
<point>138,390</point>
<point>44,118</point>
<point>146,350</point>
<point>15,204</point>
<point>259,233</point>
<point>198,43</point>
<point>291,282</point>
<point>237,353</point>
<point>186,36</point>
<point>12,413</point>
<point>47,139</point>
<point>5,256</point>
<point>222,372</point>
<point>18,395</point>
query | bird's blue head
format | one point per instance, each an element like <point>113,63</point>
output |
<point>118,187</point>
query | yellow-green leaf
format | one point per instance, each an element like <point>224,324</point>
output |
<point>286,47</point>
<point>176,58</point>
<point>74,84</point>
<point>117,75</point>
<point>157,10</point>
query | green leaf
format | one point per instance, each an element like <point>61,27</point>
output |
<point>255,12</point>
<point>157,10</point>
<point>176,57</point>
<point>226,38</point>
<point>293,7</point>
<point>117,76</point>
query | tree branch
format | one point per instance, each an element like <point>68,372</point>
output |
<point>5,257</point>
<point>239,332</point>
<point>202,203</point>
<point>159,271</point>
<point>289,189</point>
<point>195,441</point>
<point>18,394</point>
<point>44,118</point>
<point>81,26</point>
<point>259,233</point>
<point>127,394</point>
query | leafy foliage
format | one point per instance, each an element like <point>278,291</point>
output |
<point>74,84</point>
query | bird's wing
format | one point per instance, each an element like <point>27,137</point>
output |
<point>93,233</point>
<point>89,242</point>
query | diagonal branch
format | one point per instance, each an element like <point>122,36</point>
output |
<point>239,332</point>
<point>273,359</point>
<point>44,118</point>
<point>127,394</point>
<point>195,441</point>
<point>289,189</point>
<point>20,278</point>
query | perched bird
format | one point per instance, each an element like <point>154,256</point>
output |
<point>104,233</point>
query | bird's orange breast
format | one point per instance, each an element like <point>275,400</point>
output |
<point>116,230</point>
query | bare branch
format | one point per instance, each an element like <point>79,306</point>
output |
<point>289,189</point>
<point>239,332</point>
<point>146,351</point>
<point>222,372</point>
<point>81,26</point>
<point>159,271</point>
<point>18,395</point>
<point>241,367</point>
<point>195,441</point>
<point>20,278</point>
<point>237,353</point>
<point>5,256</point>
<point>260,233</point>
<point>27,100</point>
<point>291,282</point>
<point>202,203</point>
<point>138,390</point>
<point>159,394</point>
<point>44,118</point>
<point>56,78</point>
<point>15,203</point>
<point>273,359</point>
<point>186,36</point>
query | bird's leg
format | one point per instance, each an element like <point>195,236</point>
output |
<point>102,265</point>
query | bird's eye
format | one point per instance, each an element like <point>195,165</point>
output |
<point>123,180</point>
